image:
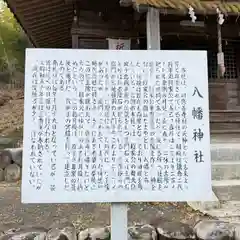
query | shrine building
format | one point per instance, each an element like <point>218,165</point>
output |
<point>150,24</point>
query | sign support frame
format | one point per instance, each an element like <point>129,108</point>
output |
<point>119,211</point>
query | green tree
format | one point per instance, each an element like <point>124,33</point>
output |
<point>12,41</point>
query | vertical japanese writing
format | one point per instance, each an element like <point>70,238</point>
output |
<point>112,117</point>
<point>185,140</point>
<point>105,124</point>
<point>43,137</point>
<point>35,167</point>
<point>198,134</point>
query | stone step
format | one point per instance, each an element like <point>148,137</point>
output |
<point>207,205</point>
<point>225,152</point>
<point>225,132</point>
<point>224,115</point>
<point>225,170</point>
<point>227,190</point>
<point>230,125</point>
<point>225,121</point>
<point>225,138</point>
<point>228,211</point>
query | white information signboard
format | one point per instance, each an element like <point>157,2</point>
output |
<point>116,126</point>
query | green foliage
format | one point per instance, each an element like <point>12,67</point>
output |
<point>12,41</point>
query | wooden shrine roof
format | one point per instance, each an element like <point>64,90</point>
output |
<point>200,6</point>
<point>48,22</point>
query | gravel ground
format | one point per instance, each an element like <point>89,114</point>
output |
<point>82,215</point>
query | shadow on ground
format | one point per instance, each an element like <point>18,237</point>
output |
<point>83,215</point>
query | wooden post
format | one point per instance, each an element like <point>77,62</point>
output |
<point>74,41</point>
<point>119,211</point>
<point>74,36</point>
<point>220,55</point>
<point>119,221</point>
<point>153,29</point>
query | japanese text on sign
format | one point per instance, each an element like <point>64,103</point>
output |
<point>116,126</point>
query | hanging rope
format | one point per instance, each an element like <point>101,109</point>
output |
<point>220,55</point>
